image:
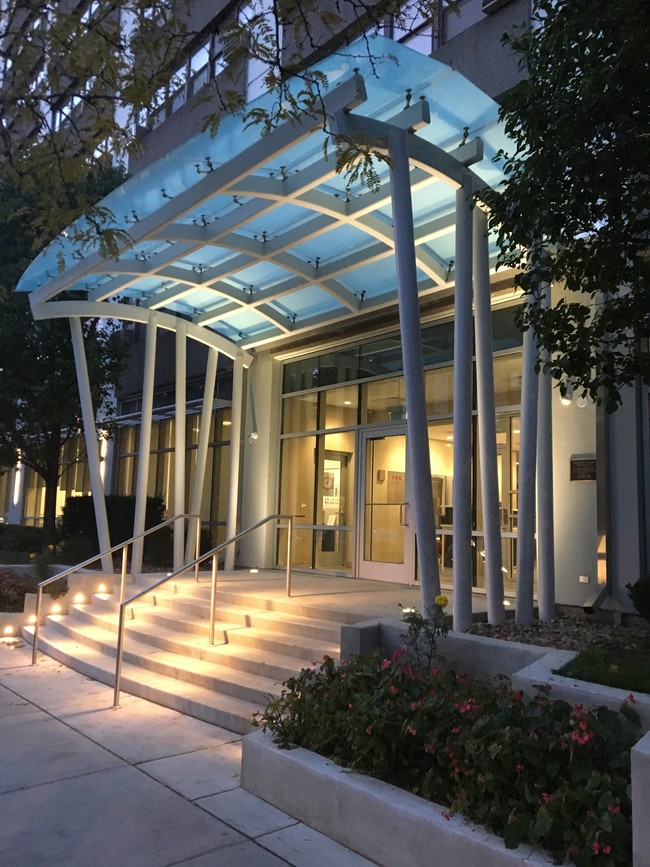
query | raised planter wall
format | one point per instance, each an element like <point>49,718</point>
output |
<point>374,819</point>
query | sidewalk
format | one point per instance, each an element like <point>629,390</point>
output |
<point>83,784</point>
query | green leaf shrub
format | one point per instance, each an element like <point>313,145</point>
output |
<point>639,593</point>
<point>541,772</point>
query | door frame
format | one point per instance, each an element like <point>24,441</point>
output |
<point>399,573</point>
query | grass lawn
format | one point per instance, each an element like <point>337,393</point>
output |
<point>625,667</point>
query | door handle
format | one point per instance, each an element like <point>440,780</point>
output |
<point>403,516</point>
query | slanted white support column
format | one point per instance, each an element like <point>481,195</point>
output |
<point>235,456</point>
<point>545,530</point>
<point>462,492</point>
<point>198,481</point>
<point>417,432</point>
<point>526,490</point>
<point>144,449</point>
<point>92,449</point>
<point>487,433</point>
<point>17,494</point>
<point>179,441</point>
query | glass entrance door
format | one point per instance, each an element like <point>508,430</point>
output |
<point>386,550</point>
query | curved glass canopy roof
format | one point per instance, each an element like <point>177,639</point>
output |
<point>257,237</point>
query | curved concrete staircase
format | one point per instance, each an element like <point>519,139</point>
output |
<point>261,640</point>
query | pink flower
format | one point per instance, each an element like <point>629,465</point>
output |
<point>596,847</point>
<point>435,671</point>
<point>369,730</point>
<point>455,731</point>
<point>446,816</point>
<point>613,808</point>
<point>607,850</point>
<point>631,697</point>
<point>411,730</point>
<point>517,696</point>
<point>349,707</point>
<point>584,725</point>
<point>393,690</point>
<point>385,664</point>
<point>398,653</point>
<point>519,768</point>
<point>546,797</point>
<point>429,748</point>
<point>408,672</point>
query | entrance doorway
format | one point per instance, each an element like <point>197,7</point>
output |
<point>386,539</point>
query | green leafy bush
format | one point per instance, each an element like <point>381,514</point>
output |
<point>14,586</point>
<point>639,593</point>
<point>15,537</point>
<point>541,772</point>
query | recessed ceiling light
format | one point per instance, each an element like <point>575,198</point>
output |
<point>347,403</point>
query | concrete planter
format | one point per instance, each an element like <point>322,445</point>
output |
<point>376,820</point>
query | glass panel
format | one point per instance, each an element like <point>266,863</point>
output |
<point>438,343</point>
<point>505,334</point>
<point>380,356</point>
<point>339,406</point>
<point>339,366</point>
<point>507,380</point>
<point>297,479</point>
<point>299,413</point>
<point>383,401</point>
<point>334,549</point>
<point>439,391</point>
<point>302,546</point>
<point>385,491</point>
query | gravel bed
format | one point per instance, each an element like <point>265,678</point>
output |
<point>569,633</point>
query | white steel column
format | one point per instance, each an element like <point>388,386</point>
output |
<point>487,433</point>
<point>198,481</point>
<point>179,441</point>
<point>417,432</point>
<point>144,449</point>
<point>235,453</point>
<point>462,496</point>
<point>92,449</point>
<point>526,489</point>
<point>545,530</point>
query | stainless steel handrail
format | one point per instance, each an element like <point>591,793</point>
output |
<point>214,553</point>
<point>122,546</point>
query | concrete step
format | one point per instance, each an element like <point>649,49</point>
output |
<point>203,672</point>
<point>232,713</point>
<point>264,640</point>
<point>193,611</point>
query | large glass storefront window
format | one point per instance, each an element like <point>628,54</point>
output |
<point>317,481</point>
<point>161,465</point>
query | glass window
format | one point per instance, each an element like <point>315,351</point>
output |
<point>383,401</point>
<point>439,391</point>
<point>507,380</point>
<point>380,356</point>
<point>299,413</point>
<point>505,334</point>
<point>339,406</point>
<point>438,343</point>
<point>297,479</point>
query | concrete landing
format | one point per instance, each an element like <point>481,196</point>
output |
<point>143,786</point>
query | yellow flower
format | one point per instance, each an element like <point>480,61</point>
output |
<point>32,556</point>
<point>442,601</point>
<point>50,547</point>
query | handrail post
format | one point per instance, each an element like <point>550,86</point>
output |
<point>125,557</point>
<point>289,552</point>
<point>39,600</point>
<point>213,597</point>
<point>118,657</point>
<point>197,548</point>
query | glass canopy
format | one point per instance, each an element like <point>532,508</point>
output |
<point>257,237</point>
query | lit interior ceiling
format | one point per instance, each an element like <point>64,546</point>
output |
<point>256,238</point>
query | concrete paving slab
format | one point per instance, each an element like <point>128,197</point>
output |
<point>128,731</point>
<point>111,818</point>
<point>242,855</point>
<point>249,814</point>
<point>303,847</point>
<point>12,654</point>
<point>12,704</point>
<point>42,749</point>
<point>198,774</point>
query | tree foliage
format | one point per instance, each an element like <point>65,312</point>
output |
<point>39,399</point>
<point>573,211</point>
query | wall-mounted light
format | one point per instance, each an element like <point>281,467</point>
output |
<point>567,397</point>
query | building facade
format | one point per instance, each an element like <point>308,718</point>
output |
<point>267,296</point>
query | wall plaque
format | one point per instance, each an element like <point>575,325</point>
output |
<point>583,468</point>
